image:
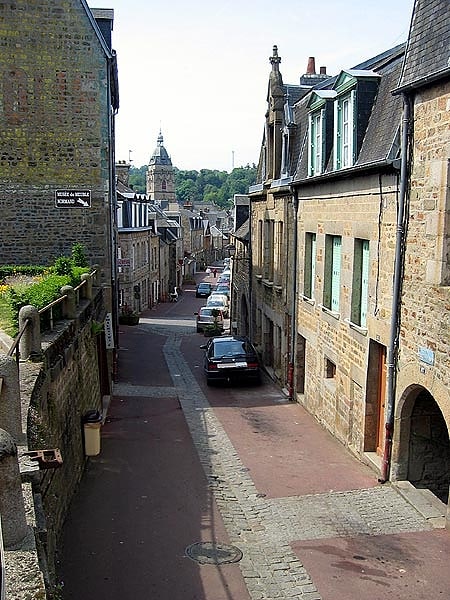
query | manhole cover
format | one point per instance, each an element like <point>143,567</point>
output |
<point>209,553</point>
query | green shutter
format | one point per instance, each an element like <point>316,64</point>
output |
<point>364,282</point>
<point>313,262</point>
<point>336,274</point>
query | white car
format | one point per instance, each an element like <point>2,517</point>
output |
<point>218,301</point>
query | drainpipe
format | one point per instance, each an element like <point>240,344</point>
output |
<point>290,373</point>
<point>250,271</point>
<point>392,356</point>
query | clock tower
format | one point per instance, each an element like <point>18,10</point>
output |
<point>161,176</point>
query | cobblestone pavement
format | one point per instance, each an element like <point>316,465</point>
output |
<point>263,528</point>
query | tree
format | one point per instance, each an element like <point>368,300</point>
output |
<point>209,186</point>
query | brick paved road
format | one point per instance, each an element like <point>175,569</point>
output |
<point>264,529</point>
<point>239,466</point>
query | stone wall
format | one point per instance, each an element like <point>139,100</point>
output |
<point>56,393</point>
<point>361,209</point>
<point>54,133</point>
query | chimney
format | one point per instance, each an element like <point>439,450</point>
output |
<point>123,172</point>
<point>323,70</point>
<point>311,68</point>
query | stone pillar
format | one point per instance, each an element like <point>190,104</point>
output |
<point>87,287</point>
<point>30,342</point>
<point>96,274</point>
<point>69,303</point>
<point>10,405</point>
<point>12,509</point>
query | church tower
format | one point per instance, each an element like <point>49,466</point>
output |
<point>161,176</point>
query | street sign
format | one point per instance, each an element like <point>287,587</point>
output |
<point>109,332</point>
<point>73,198</point>
<point>124,262</point>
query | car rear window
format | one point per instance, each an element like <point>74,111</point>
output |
<point>229,348</point>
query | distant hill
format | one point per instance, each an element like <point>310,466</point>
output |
<point>216,187</point>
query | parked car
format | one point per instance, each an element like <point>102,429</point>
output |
<point>231,358</point>
<point>219,301</point>
<point>223,288</point>
<point>224,278</point>
<point>209,315</point>
<point>218,296</point>
<point>203,290</point>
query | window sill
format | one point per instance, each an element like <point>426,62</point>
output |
<point>267,283</point>
<point>258,278</point>
<point>330,312</point>
<point>278,288</point>
<point>358,328</point>
<point>308,300</point>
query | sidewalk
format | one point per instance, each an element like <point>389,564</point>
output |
<point>182,464</point>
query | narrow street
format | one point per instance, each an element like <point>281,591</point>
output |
<point>233,493</point>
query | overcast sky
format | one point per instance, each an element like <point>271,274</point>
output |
<point>198,70</point>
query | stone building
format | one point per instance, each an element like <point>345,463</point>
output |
<point>348,276</point>
<point>138,250</point>
<point>420,402</point>
<point>149,248</point>
<point>57,108</point>
<point>161,176</point>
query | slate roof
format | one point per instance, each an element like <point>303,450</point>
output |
<point>243,233</point>
<point>383,123</point>
<point>160,155</point>
<point>428,50</point>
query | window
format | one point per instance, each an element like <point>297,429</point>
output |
<point>332,281</point>
<point>316,143</point>
<point>360,284</point>
<point>344,132</point>
<point>330,369</point>
<point>268,267</point>
<point>310,265</point>
<point>279,271</point>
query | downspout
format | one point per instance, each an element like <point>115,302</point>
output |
<point>392,356</point>
<point>113,220</point>
<point>250,271</point>
<point>290,373</point>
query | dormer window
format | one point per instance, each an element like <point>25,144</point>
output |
<point>344,155</point>
<point>316,137</point>
<point>355,93</point>
<point>320,130</point>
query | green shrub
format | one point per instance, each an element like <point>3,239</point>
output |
<point>78,256</point>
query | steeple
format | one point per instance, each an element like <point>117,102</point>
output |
<point>160,155</point>
<point>161,176</point>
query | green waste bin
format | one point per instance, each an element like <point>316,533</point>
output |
<point>92,422</point>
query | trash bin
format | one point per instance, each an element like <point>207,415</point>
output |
<point>92,421</point>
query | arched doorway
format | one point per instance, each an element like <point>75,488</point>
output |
<point>426,445</point>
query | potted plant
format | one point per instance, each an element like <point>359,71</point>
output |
<point>128,316</point>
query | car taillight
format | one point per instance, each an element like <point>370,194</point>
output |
<point>212,366</point>
<point>252,365</point>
